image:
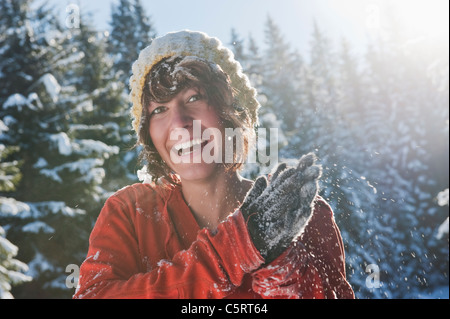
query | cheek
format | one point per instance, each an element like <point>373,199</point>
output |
<point>211,119</point>
<point>158,138</point>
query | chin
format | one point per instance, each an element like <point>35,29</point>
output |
<point>197,172</point>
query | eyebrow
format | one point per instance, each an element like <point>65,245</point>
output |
<point>187,90</point>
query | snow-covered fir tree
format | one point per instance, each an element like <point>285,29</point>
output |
<point>107,118</point>
<point>281,70</point>
<point>238,47</point>
<point>61,171</point>
<point>369,121</point>
<point>131,31</point>
<point>270,136</point>
<point>403,111</point>
<point>11,269</point>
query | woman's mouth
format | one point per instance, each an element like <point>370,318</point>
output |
<point>186,148</point>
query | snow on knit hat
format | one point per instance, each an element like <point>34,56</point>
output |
<point>191,43</point>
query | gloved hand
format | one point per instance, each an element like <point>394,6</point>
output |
<point>278,211</point>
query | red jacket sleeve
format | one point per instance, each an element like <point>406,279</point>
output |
<point>312,267</point>
<point>211,267</point>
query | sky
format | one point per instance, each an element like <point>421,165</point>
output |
<point>355,20</point>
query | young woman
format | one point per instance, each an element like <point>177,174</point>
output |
<point>200,230</point>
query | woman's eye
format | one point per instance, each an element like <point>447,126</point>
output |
<point>194,98</point>
<point>158,110</point>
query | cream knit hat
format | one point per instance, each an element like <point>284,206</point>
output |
<point>191,43</point>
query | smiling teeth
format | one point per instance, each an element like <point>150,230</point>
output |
<point>188,145</point>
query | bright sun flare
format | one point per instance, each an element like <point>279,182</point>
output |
<point>419,18</point>
<point>428,18</point>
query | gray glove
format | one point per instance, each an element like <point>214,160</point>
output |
<point>278,211</point>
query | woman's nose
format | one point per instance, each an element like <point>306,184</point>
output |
<point>180,118</point>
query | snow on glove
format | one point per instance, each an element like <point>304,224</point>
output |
<point>278,211</point>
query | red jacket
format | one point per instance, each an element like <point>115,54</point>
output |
<point>147,244</point>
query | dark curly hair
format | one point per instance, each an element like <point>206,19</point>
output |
<point>174,74</point>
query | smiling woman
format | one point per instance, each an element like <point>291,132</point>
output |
<point>201,230</point>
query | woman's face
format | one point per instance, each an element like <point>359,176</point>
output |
<point>184,131</point>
